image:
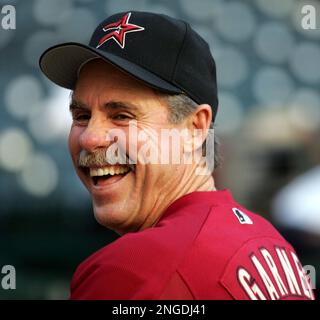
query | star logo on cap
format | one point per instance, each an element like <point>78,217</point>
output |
<point>118,31</point>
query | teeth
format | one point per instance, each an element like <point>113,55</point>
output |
<point>108,171</point>
<point>93,172</point>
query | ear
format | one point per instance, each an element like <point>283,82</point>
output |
<point>199,124</point>
<point>202,117</point>
<point>201,120</point>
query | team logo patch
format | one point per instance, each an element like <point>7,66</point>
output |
<point>242,217</point>
<point>118,31</point>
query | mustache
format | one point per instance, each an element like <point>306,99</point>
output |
<point>102,157</point>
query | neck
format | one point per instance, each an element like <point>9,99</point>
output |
<point>165,199</point>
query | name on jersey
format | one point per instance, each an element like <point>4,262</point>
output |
<point>279,277</point>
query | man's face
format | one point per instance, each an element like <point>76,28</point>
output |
<point>106,99</point>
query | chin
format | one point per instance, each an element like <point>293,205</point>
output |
<point>112,217</point>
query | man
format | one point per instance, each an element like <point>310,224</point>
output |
<point>143,74</point>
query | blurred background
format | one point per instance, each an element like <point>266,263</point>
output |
<point>268,123</point>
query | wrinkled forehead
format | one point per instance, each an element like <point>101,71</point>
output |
<point>99,80</point>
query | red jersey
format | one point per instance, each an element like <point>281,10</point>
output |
<point>205,246</point>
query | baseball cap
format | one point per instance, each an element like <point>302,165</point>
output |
<point>163,52</point>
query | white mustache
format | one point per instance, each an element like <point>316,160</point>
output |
<point>102,157</point>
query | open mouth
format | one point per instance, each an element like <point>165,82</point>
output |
<point>109,174</point>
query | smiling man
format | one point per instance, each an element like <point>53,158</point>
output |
<point>126,199</point>
<point>141,75</point>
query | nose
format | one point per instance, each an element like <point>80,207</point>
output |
<point>95,136</point>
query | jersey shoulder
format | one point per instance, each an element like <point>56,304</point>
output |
<point>241,253</point>
<point>139,265</point>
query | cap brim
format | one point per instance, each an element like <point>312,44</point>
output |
<point>62,63</point>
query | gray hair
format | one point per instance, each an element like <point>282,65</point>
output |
<point>181,106</point>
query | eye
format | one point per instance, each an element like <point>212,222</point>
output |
<point>121,116</point>
<point>81,117</point>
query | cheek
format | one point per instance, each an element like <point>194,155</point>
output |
<point>73,142</point>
